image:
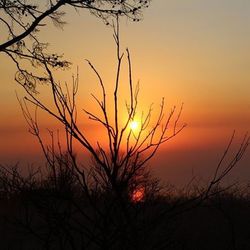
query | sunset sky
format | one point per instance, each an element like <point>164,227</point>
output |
<point>195,52</point>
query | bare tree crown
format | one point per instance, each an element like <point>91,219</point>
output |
<point>121,164</point>
<point>22,18</point>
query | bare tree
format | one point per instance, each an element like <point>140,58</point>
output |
<point>23,18</point>
<point>128,151</point>
<point>117,176</point>
<point>21,21</point>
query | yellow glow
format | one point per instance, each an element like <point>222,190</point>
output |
<point>134,125</point>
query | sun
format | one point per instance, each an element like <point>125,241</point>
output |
<point>138,195</point>
<point>134,125</point>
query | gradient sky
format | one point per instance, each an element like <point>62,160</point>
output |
<point>196,52</point>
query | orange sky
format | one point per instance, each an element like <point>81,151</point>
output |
<point>196,52</point>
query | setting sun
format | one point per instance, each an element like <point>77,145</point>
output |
<point>138,195</point>
<point>134,125</point>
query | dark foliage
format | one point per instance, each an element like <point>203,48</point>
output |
<point>38,214</point>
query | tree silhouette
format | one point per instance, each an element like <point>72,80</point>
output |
<point>117,166</point>
<point>114,202</point>
<point>24,18</point>
<point>21,21</point>
<point>92,207</point>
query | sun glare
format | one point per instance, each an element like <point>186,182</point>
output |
<point>138,195</point>
<point>134,125</point>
